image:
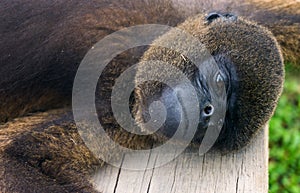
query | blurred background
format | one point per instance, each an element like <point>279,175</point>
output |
<point>284,141</point>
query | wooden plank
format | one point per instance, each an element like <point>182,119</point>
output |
<point>239,172</point>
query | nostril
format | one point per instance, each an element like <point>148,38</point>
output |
<point>208,110</point>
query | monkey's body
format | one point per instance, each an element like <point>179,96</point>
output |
<point>41,48</point>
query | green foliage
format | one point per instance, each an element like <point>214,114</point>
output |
<point>284,163</point>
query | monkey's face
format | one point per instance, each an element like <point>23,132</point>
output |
<point>241,91</point>
<point>214,83</point>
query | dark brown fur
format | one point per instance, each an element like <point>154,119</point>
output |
<point>260,72</point>
<point>281,17</point>
<point>42,43</point>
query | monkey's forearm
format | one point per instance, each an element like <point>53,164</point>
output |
<point>281,17</point>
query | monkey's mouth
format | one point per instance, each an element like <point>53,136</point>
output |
<point>200,133</point>
<point>203,123</point>
<point>166,133</point>
<point>172,125</point>
<point>176,122</point>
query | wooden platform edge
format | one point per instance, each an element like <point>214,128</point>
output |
<point>245,171</point>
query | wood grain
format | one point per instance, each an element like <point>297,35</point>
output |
<point>240,172</point>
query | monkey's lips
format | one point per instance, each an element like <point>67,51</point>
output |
<point>201,130</point>
<point>169,132</point>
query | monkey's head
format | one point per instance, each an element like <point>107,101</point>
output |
<point>245,62</point>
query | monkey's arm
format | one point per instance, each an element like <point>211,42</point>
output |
<point>43,42</point>
<point>44,153</point>
<point>281,17</point>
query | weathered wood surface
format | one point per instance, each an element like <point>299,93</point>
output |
<point>245,171</point>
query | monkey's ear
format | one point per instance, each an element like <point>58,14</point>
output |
<point>214,15</point>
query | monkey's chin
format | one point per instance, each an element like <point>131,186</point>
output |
<point>164,135</point>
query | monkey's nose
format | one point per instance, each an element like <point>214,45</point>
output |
<point>208,111</point>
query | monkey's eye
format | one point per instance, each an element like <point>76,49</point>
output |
<point>219,79</point>
<point>219,83</point>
